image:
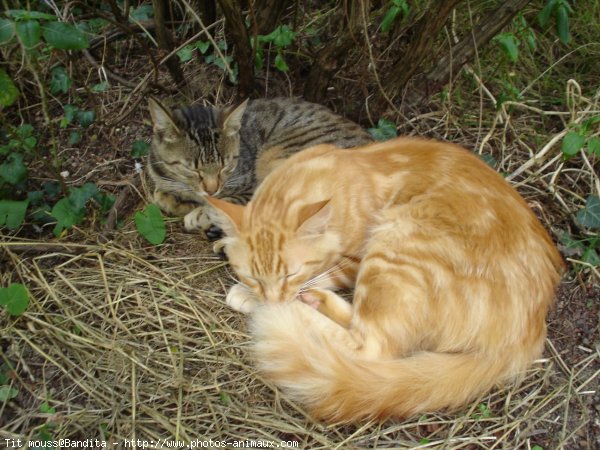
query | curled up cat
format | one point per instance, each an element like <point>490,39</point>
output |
<point>453,276</point>
<point>225,152</point>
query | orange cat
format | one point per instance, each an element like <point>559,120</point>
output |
<point>453,277</point>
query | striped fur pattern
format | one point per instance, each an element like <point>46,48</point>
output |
<point>226,152</point>
<point>453,276</point>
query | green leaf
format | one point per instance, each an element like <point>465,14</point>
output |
<point>509,44</point>
<point>13,171</point>
<point>8,91</point>
<point>7,30</point>
<point>225,398</point>
<point>100,87</point>
<point>389,19</point>
<point>47,409</point>
<point>150,224</point>
<point>202,46</point>
<point>280,63</point>
<point>70,112</point>
<point>23,14</point>
<point>281,37</point>
<point>74,138</point>
<point>546,12</point>
<point>537,447</point>
<point>85,118</point>
<point>139,149</point>
<point>562,23</point>
<point>66,215</point>
<point>593,146</point>
<point>12,213</point>
<point>7,393</point>
<point>386,129</point>
<point>589,216</point>
<point>60,81</point>
<point>142,12</point>
<point>80,196</point>
<point>15,298</point>
<point>591,257</point>
<point>572,143</point>
<point>186,53</point>
<point>64,36</point>
<point>29,33</point>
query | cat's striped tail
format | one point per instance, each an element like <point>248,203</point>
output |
<point>310,359</point>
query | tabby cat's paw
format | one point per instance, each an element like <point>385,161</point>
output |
<point>196,220</point>
<point>241,299</point>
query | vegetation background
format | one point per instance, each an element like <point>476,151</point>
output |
<point>112,319</point>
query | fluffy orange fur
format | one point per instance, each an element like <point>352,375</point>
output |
<point>453,276</point>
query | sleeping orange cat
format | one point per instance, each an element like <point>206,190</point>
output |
<point>452,273</point>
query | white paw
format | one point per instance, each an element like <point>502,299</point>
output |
<point>197,219</point>
<point>241,299</point>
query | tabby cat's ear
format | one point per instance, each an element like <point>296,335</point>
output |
<point>225,215</point>
<point>232,120</point>
<point>162,118</point>
<point>314,218</point>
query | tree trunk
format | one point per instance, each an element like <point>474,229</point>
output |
<point>267,14</point>
<point>421,36</point>
<point>464,51</point>
<point>243,53</point>
<point>165,40</point>
<point>333,55</point>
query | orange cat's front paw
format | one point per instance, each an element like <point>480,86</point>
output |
<point>241,299</point>
<point>311,299</point>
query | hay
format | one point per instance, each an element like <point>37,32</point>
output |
<point>125,343</point>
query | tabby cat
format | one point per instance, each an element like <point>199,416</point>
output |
<point>453,276</point>
<point>225,152</point>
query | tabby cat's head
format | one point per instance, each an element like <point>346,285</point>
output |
<point>194,149</point>
<point>278,255</point>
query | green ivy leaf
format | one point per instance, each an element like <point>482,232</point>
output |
<point>202,46</point>
<point>282,36</point>
<point>74,138</point>
<point>150,224</point>
<point>15,298</point>
<point>29,33</point>
<point>386,129</point>
<point>12,213</point>
<point>85,118</point>
<point>593,146</point>
<point>60,81</point>
<point>13,171</point>
<point>80,196</point>
<point>64,36</point>
<point>23,14</point>
<point>8,91</point>
<point>7,30</point>
<point>139,149</point>
<point>572,143</point>
<point>100,87</point>
<point>509,44</point>
<point>142,12</point>
<point>280,63</point>
<point>66,215</point>
<point>589,216</point>
<point>7,393</point>
<point>186,53</point>
<point>562,23</point>
<point>590,256</point>
<point>47,409</point>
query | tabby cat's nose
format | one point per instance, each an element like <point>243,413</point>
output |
<point>210,186</point>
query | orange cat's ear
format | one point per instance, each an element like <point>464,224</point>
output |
<point>232,120</point>
<point>227,216</point>
<point>314,218</point>
<point>162,117</point>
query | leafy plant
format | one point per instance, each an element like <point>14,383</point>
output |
<point>14,298</point>
<point>151,224</point>
<point>280,38</point>
<point>560,10</point>
<point>396,8</point>
<point>386,129</point>
<point>581,137</point>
